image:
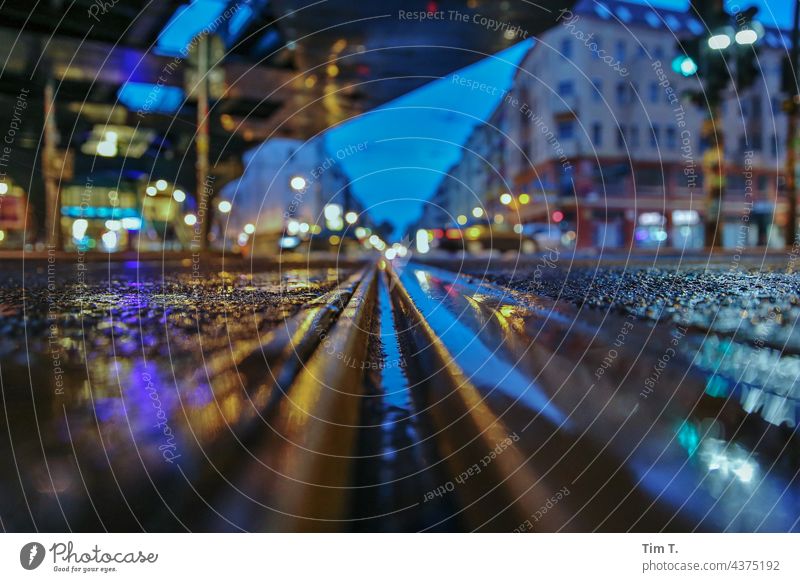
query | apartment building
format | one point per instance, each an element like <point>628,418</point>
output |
<point>598,132</point>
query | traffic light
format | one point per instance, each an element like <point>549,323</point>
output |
<point>747,69</point>
<point>696,98</point>
<point>788,76</point>
<point>688,59</point>
<point>712,12</point>
<point>716,76</point>
<point>730,39</point>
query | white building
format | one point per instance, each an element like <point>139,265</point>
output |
<point>600,133</point>
<point>284,179</point>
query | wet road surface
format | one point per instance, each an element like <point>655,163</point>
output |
<point>552,395</point>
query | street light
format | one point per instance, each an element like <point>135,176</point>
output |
<point>224,206</point>
<point>131,223</point>
<point>151,191</point>
<point>109,240</point>
<point>746,37</point>
<point>190,219</point>
<point>161,185</point>
<point>719,41</point>
<point>351,217</point>
<point>750,29</point>
<point>423,244</point>
<point>710,59</point>
<point>179,195</point>
<point>687,67</point>
<point>79,227</point>
<point>506,198</point>
<point>477,212</point>
<point>106,149</point>
<point>332,211</point>
<point>249,228</point>
<point>298,183</point>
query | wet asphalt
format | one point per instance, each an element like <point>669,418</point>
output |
<point>86,351</point>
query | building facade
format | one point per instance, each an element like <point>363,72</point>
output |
<point>597,134</point>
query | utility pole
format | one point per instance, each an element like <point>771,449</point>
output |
<point>791,131</point>
<point>52,210</point>
<point>714,174</point>
<point>731,39</point>
<point>202,141</point>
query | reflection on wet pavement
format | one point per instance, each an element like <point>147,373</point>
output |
<point>136,401</point>
<point>397,458</point>
<point>760,305</point>
<point>764,381</point>
<point>126,379</point>
<point>710,443</point>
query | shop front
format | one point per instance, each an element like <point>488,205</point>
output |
<point>13,214</point>
<point>99,218</point>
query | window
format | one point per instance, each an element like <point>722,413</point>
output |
<point>602,11</point>
<point>598,43</point>
<point>672,138</point>
<point>566,48</point>
<point>597,134</point>
<point>621,137</point>
<point>566,129</point>
<point>756,105</point>
<point>597,94</point>
<point>673,23</point>
<point>652,19</point>
<point>633,133</point>
<point>695,26</point>
<point>619,50</point>
<point>655,136</point>
<point>566,89</point>
<point>746,107</point>
<point>654,92</point>
<point>752,141</point>
<point>622,93</point>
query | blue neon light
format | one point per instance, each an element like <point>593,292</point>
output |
<point>99,212</point>
<point>151,98</point>
<point>188,21</point>
<point>238,22</point>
